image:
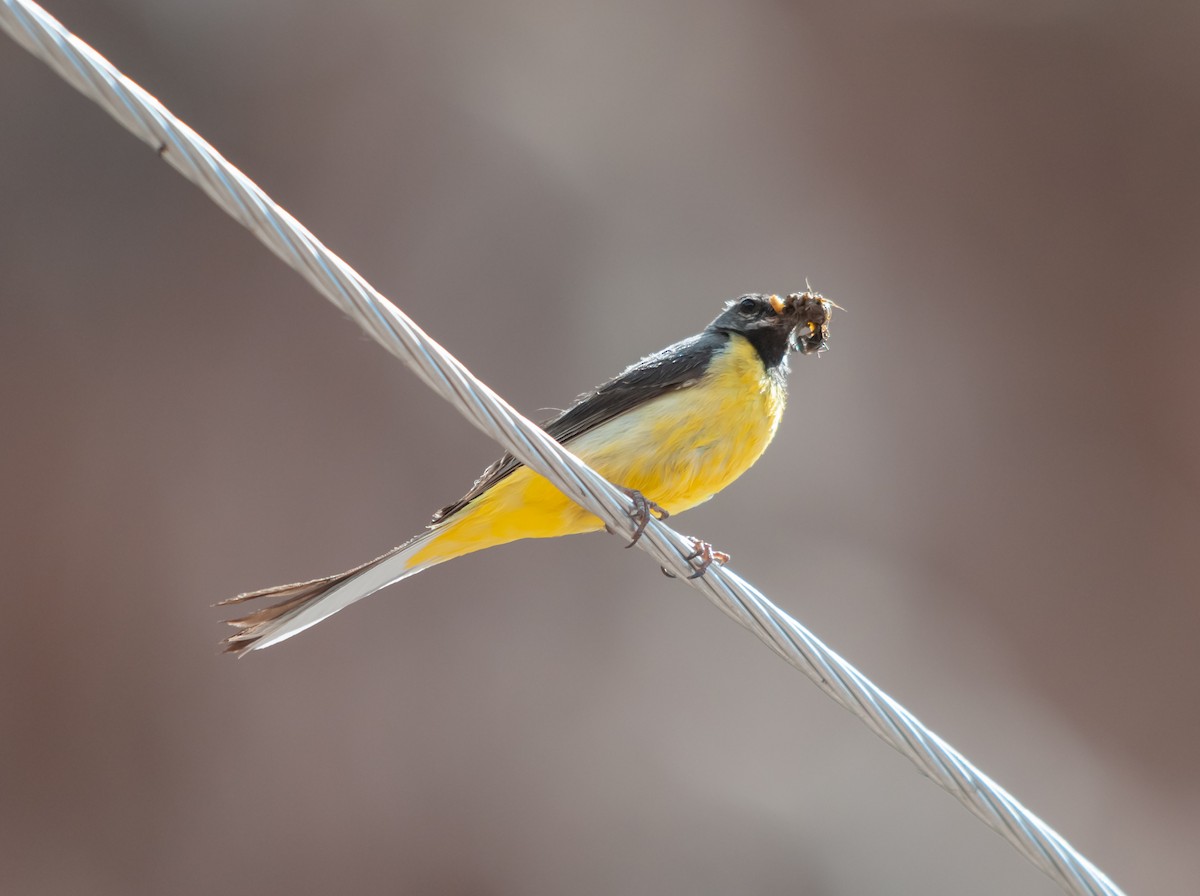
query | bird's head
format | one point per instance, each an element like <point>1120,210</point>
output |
<point>775,326</point>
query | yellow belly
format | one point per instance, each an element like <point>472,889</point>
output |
<point>678,450</point>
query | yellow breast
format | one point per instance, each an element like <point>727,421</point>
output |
<point>678,450</point>
<point>685,446</point>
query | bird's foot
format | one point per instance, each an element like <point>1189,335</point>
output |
<point>643,509</point>
<point>700,559</point>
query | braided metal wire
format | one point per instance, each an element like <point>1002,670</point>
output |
<point>33,28</point>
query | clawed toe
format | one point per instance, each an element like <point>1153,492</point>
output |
<point>703,556</point>
<point>643,509</point>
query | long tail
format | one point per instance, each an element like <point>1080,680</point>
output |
<point>305,604</point>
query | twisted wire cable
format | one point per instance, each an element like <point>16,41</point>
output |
<point>91,74</point>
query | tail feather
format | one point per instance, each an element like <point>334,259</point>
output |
<point>304,604</point>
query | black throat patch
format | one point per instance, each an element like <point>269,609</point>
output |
<point>772,345</point>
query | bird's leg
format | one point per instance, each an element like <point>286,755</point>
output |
<point>701,558</point>
<point>643,509</point>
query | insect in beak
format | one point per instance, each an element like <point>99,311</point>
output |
<point>815,312</point>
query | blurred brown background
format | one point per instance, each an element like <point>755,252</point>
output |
<point>985,495</point>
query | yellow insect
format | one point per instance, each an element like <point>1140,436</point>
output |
<point>672,430</point>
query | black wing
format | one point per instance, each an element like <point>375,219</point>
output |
<point>675,367</point>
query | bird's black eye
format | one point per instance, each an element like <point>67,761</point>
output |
<point>747,306</point>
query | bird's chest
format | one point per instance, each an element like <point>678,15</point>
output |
<point>696,440</point>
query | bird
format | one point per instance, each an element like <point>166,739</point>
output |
<point>671,431</point>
